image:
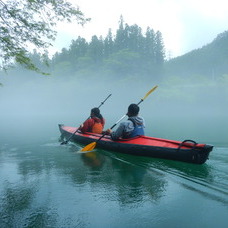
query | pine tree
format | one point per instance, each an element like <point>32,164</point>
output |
<point>149,45</point>
<point>108,44</point>
<point>120,40</point>
<point>77,49</point>
<point>96,49</point>
<point>135,38</point>
<point>159,49</point>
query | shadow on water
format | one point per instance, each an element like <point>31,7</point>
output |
<point>205,179</point>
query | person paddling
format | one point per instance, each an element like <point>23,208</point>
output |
<point>95,123</point>
<point>130,128</point>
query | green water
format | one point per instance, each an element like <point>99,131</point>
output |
<point>43,184</point>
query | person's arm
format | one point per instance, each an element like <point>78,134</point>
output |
<point>86,126</point>
<point>115,135</point>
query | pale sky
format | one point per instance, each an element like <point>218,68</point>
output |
<point>185,24</point>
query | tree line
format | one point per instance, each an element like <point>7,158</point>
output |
<point>128,52</point>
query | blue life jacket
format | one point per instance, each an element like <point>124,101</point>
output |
<point>138,130</point>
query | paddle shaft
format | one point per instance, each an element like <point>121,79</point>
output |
<point>65,142</point>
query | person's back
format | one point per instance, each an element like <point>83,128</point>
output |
<point>95,124</point>
<point>138,126</point>
<point>133,127</point>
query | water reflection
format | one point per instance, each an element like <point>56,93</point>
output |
<point>132,182</point>
<point>120,175</point>
<point>140,176</point>
<point>38,183</point>
<point>93,160</point>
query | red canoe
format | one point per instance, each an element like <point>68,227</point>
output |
<point>186,151</point>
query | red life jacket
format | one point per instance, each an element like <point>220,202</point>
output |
<point>94,125</point>
<point>97,126</point>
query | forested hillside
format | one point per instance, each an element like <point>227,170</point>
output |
<point>127,64</point>
<point>126,53</point>
<point>209,62</point>
<point>131,54</point>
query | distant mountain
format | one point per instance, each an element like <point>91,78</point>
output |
<point>211,60</point>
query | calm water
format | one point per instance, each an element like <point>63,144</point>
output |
<point>43,184</point>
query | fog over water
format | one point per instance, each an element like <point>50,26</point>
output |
<point>33,106</point>
<point>45,184</point>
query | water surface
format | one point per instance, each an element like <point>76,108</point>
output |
<point>45,184</point>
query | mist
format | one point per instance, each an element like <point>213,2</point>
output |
<point>32,107</point>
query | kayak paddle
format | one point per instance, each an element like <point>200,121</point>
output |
<point>65,142</point>
<point>92,145</point>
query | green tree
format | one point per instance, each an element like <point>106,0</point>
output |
<point>96,49</point>
<point>78,49</point>
<point>123,63</point>
<point>149,45</point>
<point>130,53</point>
<point>38,60</point>
<point>60,57</point>
<point>135,38</point>
<point>120,40</point>
<point>108,44</point>
<point>31,23</point>
<point>159,49</point>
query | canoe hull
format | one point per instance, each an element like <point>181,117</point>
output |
<point>138,146</point>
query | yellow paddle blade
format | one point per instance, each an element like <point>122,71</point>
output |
<point>148,93</point>
<point>89,147</point>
